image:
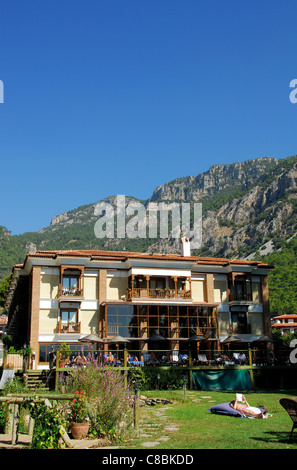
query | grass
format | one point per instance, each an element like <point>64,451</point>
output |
<point>200,429</point>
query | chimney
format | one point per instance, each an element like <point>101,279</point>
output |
<point>185,246</point>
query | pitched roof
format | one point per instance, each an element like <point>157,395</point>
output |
<point>293,316</point>
<point>124,255</point>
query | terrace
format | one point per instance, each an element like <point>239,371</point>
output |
<point>159,287</point>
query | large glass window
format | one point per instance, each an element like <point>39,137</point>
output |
<point>168,321</point>
<point>46,348</point>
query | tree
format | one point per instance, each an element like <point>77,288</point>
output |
<point>4,285</point>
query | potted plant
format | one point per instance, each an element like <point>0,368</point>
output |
<point>65,352</point>
<point>79,414</point>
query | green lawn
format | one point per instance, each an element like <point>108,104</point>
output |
<point>200,429</point>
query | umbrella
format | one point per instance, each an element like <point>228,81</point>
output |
<point>197,338</point>
<point>156,338</point>
<point>118,339</point>
<point>264,339</point>
<point>91,339</point>
<point>232,339</point>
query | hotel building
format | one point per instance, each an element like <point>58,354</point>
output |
<point>62,296</point>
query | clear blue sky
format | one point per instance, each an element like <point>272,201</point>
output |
<point>105,97</point>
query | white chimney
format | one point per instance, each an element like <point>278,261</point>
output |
<point>185,246</point>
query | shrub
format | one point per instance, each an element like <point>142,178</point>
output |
<point>108,397</point>
<point>3,408</point>
<point>148,378</point>
<point>48,425</point>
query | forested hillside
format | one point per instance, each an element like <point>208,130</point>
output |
<point>283,279</point>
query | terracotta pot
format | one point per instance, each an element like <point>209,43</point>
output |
<point>79,430</point>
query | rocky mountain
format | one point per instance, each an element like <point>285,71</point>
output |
<point>247,209</point>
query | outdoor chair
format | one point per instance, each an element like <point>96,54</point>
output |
<point>236,358</point>
<point>203,359</point>
<point>174,358</point>
<point>7,376</point>
<point>133,362</point>
<point>290,405</point>
<point>183,358</point>
<point>146,358</point>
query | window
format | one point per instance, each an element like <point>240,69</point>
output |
<point>68,322</point>
<point>68,316</point>
<point>169,321</point>
<point>240,287</point>
<point>239,322</point>
<point>71,282</point>
<point>46,348</point>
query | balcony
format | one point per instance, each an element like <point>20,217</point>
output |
<point>158,293</point>
<point>68,327</point>
<point>240,328</point>
<point>70,292</point>
<point>240,297</point>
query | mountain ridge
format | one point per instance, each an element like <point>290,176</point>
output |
<point>245,205</point>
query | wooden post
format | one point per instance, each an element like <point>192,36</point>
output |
<point>9,419</point>
<point>5,360</point>
<point>175,286</point>
<point>14,402</point>
<point>148,285</point>
<point>56,371</point>
<point>31,426</point>
<point>132,285</point>
<point>125,357</point>
<point>15,424</point>
<point>136,405</point>
<point>251,364</point>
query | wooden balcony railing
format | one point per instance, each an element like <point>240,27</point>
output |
<point>64,292</point>
<point>240,297</point>
<point>236,328</point>
<point>158,293</point>
<point>69,327</point>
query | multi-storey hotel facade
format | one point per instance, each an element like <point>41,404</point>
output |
<point>62,296</point>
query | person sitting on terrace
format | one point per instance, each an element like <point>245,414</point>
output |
<point>246,409</point>
<point>242,358</point>
<point>166,357</point>
<point>222,359</point>
<point>110,358</point>
<point>132,358</point>
<point>152,358</point>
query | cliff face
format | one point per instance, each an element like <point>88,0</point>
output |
<point>218,178</point>
<point>246,207</point>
